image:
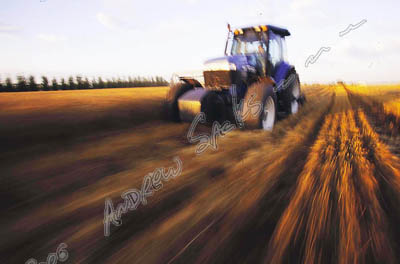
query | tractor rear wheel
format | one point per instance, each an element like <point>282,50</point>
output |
<point>175,91</point>
<point>260,104</point>
<point>292,97</point>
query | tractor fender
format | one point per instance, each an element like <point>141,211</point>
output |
<point>192,81</point>
<point>281,74</point>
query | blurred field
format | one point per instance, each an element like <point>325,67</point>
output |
<point>322,187</point>
<point>33,118</point>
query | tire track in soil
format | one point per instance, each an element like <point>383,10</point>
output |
<point>386,170</point>
<point>306,231</point>
<point>287,242</point>
<point>335,215</point>
<point>380,168</point>
<point>274,202</point>
<point>386,124</point>
<point>261,216</point>
<point>377,247</point>
<point>381,137</point>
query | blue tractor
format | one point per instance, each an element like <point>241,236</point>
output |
<point>254,71</point>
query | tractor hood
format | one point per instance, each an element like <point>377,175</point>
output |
<point>222,73</point>
<point>228,63</point>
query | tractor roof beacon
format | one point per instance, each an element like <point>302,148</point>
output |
<point>254,68</point>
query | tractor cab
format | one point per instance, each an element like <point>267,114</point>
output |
<point>264,47</point>
<point>251,53</point>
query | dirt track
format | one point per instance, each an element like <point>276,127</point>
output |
<point>323,187</point>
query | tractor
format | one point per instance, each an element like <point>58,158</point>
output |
<point>254,70</point>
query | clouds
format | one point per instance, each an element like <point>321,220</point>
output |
<point>113,23</point>
<point>9,29</point>
<point>376,49</point>
<point>107,21</point>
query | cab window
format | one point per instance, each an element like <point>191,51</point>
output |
<point>274,52</point>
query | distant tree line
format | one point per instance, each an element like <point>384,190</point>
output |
<point>24,84</point>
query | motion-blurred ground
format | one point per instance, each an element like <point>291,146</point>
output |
<point>322,187</point>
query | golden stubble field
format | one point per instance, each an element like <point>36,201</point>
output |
<point>31,118</point>
<point>322,187</point>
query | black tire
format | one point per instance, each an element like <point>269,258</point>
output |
<point>214,108</point>
<point>302,100</point>
<point>257,96</point>
<point>291,96</point>
<point>173,95</point>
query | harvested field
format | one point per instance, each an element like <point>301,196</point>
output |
<point>322,187</point>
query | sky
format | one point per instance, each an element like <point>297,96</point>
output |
<point>119,38</point>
